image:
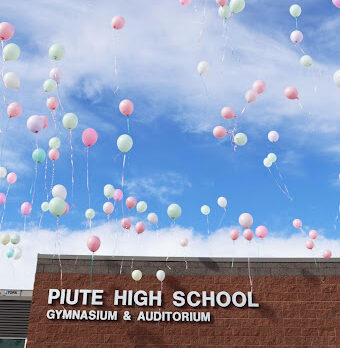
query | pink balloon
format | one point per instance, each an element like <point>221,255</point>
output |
<point>126,223</point>
<point>219,132</point>
<point>126,107</point>
<point>93,243</point>
<point>67,208</point>
<point>118,195</point>
<point>89,137</point>
<point>259,86</point>
<point>11,178</point>
<point>313,234</point>
<point>250,96</point>
<point>35,124</point>
<point>140,227</point>
<point>296,36</point>
<point>6,31</point>
<point>14,110</point>
<point>297,223</point>
<point>184,242</point>
<point>261,231</point>
<point>291,93</point>
<point>131,202</point>
<point>2,198</point>
<point>53,154</point>
<point>248,234</point>
<point>234,234</point>
<point>108,208</point>
<point>327,254</point>
<point>46,121</point>
<point>26,208</point>
<point>185,2</point>
<point>228,113</point>
<point>52,103</point>
<point>221,2</point>
<point>337,4</point>
<point>309,244</point>
<point>118,22</point>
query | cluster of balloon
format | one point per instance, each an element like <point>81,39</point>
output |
<point>117,23</point>
<point>11,179</point>
<point>205,210</point>
<point>56,53</point>
<point>126,108</point>
<point>13,252</point>
<point>57,206</point>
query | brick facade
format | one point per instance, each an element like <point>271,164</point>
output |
<point>299,303</point>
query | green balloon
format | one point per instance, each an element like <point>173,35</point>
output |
<point>44,206</point>
<point>50,86</point>
<point>70,121</point>
<point>224,11</point>
<point>15,239</point>
<point>295,10</point>
<point>174,211</point>
<point>124,143</point>
<point>10,252</point>
<point>54,143</point>
<point>237,6</point>
<point>240,139</point>
<point>109,191</point>
<point>39,155</point>
<point>205,210</point>
<point>57,206</point>
<point>90,214</point>
<point>11,52</point>
<point>141,207</point>
<point>306,61</point>
<point>56,52</point>
<point>267,162</point>
<point>272,157</point>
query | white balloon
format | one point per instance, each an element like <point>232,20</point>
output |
<point>108,208</point>
<point>3,172</point>
<point>11,80</point>
<point>203,67</point>
<point>336,78</point>
<point>55,74</point>
<point>141,207</point>
<point>245,220</point>
<point>59,191</point>
<point>136,275</point>
<point>5,238</point>
<point>273,136</point>
<point>267,162</point>
<point>272,157</point>
<point>160,275</point>
<point>205,210</point>
<point>222,202</point>
<point>153,218</point>
<point>17,253</point>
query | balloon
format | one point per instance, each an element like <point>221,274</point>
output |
<point>267,162</point>
<point>291,93</point>
<point>174,211</point>
<point>234,234</point>
<point>57,206</point>
<point>160,275</point>
<point>35,124</point>
<point>237,6</point>
<point>272,157</point>
<point>118,22</point>
<point>309,244</point>
<point>109,191</point>
<point>297,223</point>
<point>185,2</point>
<point>17,253</point>
<point>3,172</point>
<point>296,36</point>
<point>240,139</point>
<point>313,234</point>
<point>306,61</point>
<point>11,80</point>
<point>222,202</point>
<point>136,275</point>
<point>126,107</point>
<point>273,136</point>
<point>49,86</point>
<point>52,103</point>
<point>203,67</point>
<point>259,86</point>
<point>45,120</point>
<point>26,208</point>
<point>11,178</point>
<point>6,31</point>
<point>248,234</point>
<point>70,121</point>
<point>205,210</point>
<point>124,143</point>
<point>118,195</point>
<point>219,132</point>
<point>38,155</point>
<point>56,52</point>
<point>131,202</point>
<point>336,78</point>
<point>245,220</point>
<point>261,231</point>
<point>336,3</point>
<point>93,243</point>
<point>44,206</point>
<point>227,112</point>
<point>59,191</point>
<point>2,198</point>
<point>53,154</point>
<point>10,253</point>
<point>250,96</point>
<point>11,52</point>
<point>5,238</point>
<point>89,137</point>
<point>67,208</point>
<point>295,10</point>
<point>108,208</point>
<point>141,207</point>
<point>14,110</point>
<point>54,143</point>
<point>224,12</point>
<point>153,218</point>
<point>15,239</point>
<point>184,242</point>
<point>90,214</point>
<point>221,2</point>
<point>126,223</point>
<point>55,74</point>
<point>327,254</point>
<point>140,227</point>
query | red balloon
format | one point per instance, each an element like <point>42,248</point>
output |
<point>93,243</point>
<point>89,137</point>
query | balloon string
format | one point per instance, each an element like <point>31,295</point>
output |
<point>124,159</point>
<point>91,272</point>
<point>40,220</point>
<point>166,262</point>
<point>25,223</point>
<point>87,176</point>
<point>249,274</point>
<point>3,143</point>
<point>53,113</point>
<point>59,98</point>
<point>45,179</point>
<point>3,211</point>
<point>2,74</point>
<point>281,177</point>
<point>222,218</point>
<point>279,186</point>
<point>208,224</point>
<point>115,46</point>
<point>72,165</point>
<point>225,36</point>
<point>205,86</point>
<point>34,182</point>
<point>121,266</point>
<point>52,178</point>
<point>232,260</point>
<point>60,265</point>
<point>128,124</point>
<point>203,23</point>
<point>337,217</point>
<point>296,22</point>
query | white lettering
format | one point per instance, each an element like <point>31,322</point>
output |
<point>234,299</point>
<point>190,295</point>
<point>97,297</point>
<point>53,294</point>
<point>50,314</point>
<point>250,301</point>
<point>219,300</point>
<point>178,297</point>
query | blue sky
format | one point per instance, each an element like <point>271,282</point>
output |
<point>175,157</point>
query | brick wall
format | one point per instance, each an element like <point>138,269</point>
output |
<point>299,303</point>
